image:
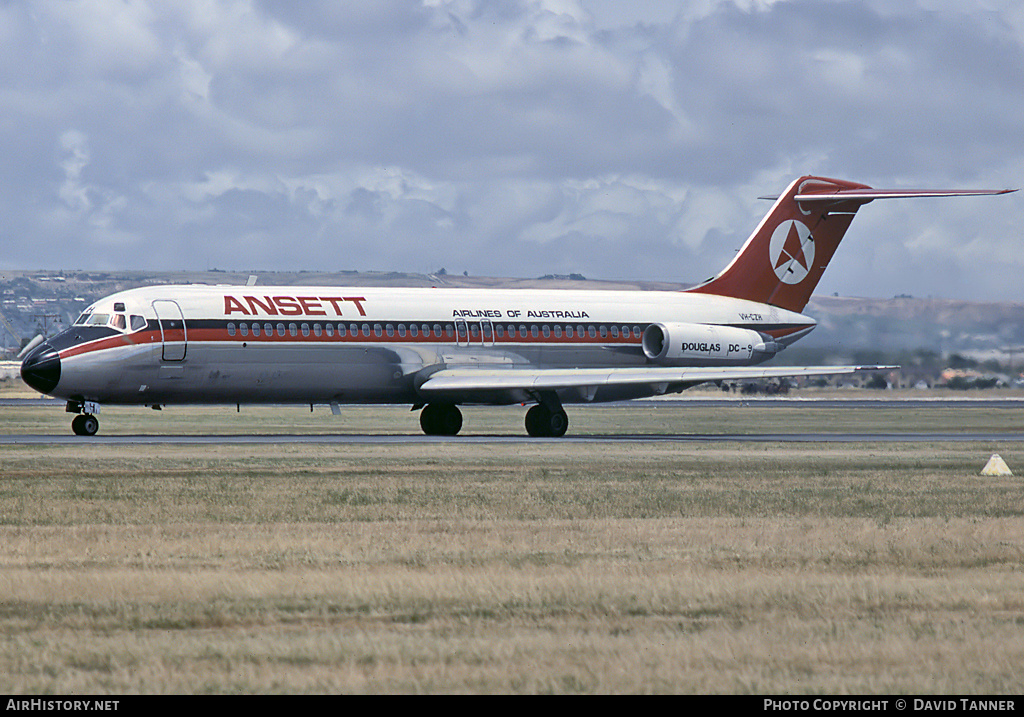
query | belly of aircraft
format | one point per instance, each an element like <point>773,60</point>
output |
<point>265,372</point>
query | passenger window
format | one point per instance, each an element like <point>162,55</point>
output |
<point>330,329</point>
<point>401,330</point>
<point>255,330</point>
<point>317,331</point>
<point>305,330</point>
<point>280,329</point>
<point>378,330</point>
<point>414,330</point>
<point>604,331</point>
<point>390,329</point>
<point>244,329</point>
<point>231,329</point>
<point>268,329</point>
<point>534,331</point>
<point>547,331</point>
<point>615,332</point>
<point>592,332</point>
<point>558,331</point>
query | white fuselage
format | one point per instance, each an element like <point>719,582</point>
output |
<point>298,344</point>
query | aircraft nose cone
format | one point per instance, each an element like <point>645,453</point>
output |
<point>41,368</point>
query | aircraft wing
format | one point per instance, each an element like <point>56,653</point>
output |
<point>468,384</point>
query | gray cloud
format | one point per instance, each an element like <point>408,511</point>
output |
<point>618,140</point>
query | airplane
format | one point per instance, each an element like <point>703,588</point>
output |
<point>438,348</point>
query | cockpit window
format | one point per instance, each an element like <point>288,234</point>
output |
<point>98,319</point>
<point>138,322</point>
<point>119,322</point>
<point>84,318</point>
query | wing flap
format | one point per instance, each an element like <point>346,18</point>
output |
<point>468,381</point>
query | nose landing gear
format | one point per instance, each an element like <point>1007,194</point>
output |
<point>84,424</point>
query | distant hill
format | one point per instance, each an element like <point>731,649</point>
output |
<point>943,325</point>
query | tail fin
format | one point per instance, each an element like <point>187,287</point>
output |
<point>784,258</point>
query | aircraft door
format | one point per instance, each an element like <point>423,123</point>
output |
<point>172,329</point>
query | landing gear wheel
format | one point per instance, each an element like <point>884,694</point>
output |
<point>542,422</point>
<point>441,419</point>
<point>85,425</point>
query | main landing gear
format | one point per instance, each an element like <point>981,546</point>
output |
<point>84,424</point>
<point>441,419</point>
<point>545,420</point>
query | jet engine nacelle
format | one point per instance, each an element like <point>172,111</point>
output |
<point>674,343</point>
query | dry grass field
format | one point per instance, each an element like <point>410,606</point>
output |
<point>525,567</point>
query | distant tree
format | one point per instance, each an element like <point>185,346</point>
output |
<point>877,381</point>
<point>958,383</point>
<point>441,271</point>
<point>960,361</point>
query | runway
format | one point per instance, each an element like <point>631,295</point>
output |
<point>420,439</point>
<point>752,402</point>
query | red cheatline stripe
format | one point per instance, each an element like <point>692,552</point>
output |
<point>199,336</point>
<point>110,342</point>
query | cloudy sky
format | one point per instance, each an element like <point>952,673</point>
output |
<point>508,137</point>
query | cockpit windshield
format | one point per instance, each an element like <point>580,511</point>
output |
<point>119,319</point>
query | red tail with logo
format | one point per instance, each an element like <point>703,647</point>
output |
<point>786,255</point>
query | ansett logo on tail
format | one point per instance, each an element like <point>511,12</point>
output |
<point>791,251</point>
